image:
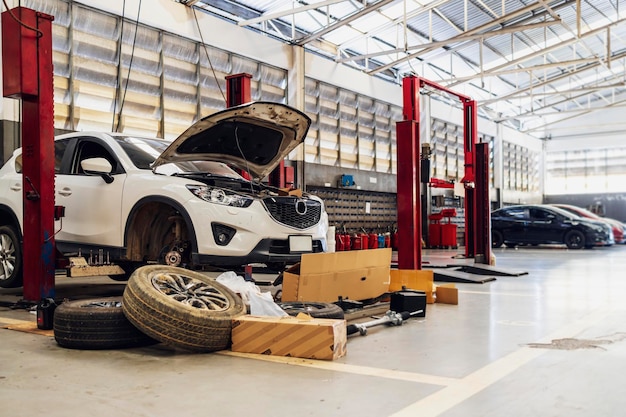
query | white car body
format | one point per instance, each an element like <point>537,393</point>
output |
<point>158,213</point>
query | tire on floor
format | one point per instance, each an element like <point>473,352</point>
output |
<point>181,308</point>
<point>96,323</point>
<point>313,309</point>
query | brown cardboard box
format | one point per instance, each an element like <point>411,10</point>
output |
<point>324,277</point>
<point>301,337</point>
<point>413,279</point>
<point>447,294</point>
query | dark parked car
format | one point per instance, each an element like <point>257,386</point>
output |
<point>541,224</point>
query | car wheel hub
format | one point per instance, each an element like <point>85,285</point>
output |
<point>173,258</point>
<point>190,291</point>
<point>7,258</point>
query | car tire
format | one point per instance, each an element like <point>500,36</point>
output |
<point>97,323</point>
<point>181,308</point>
<point>313,309</point>
<point>129,268</point>
<point>574,239</point>
<point>10,258</point>
<point>496,239</point>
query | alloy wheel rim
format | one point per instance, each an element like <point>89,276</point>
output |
<point>7,257</point>
<point>190,291</point>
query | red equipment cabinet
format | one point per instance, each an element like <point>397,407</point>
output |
<point>434,230</point>
<point>448,230</point>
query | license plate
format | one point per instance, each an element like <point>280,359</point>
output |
<point>300,244</point>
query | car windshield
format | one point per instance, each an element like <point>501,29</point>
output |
<point>143,152</point>
<point>565,213</point>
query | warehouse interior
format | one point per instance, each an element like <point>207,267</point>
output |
<point>420,119</point>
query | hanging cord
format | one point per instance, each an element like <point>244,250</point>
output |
<point>244,157</point>
<point>207,55</point>
<point>39,33</point>
<point>130,64</point>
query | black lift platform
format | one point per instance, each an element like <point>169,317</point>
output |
<point>475,273</point>
<point>482,269</point>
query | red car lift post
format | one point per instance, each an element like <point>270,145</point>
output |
<point>27,75</point>
<point>477,220</point>
<point>238,92</point>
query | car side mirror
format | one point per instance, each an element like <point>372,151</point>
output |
<point>98,166</point>
<point>550,217</point>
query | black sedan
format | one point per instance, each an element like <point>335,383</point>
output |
<point>541,224</point>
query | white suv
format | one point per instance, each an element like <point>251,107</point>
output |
<point>181,203</point>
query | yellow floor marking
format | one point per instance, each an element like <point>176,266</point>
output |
<point>7,321</point>
<point>464,388</point>
<point>352,369</point>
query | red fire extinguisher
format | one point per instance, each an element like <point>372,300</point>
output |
<point>356,241</point>
<point>394,240</point>
<point>339,242</point>
<point>373,241</point>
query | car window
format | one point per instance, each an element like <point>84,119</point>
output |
<point>516,213</point>
<point>60,146</point>
<point>18,163</point>
<point>87,149</point>
<point>59,151</point>
<point>540,214</point>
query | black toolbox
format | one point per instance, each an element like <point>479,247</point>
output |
<point>408,300</point>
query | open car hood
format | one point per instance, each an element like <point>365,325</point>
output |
<point>253,137</point>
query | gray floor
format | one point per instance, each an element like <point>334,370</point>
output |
<point>551,343</point>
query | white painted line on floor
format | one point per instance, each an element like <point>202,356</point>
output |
<point>464,388</point>
<point>499,293</point>
<point>352,369</point>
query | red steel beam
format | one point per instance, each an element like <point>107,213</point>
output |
<point>408,179</point>
<point>238,89</point>
<point>27,74</point>
<point>482,227</point>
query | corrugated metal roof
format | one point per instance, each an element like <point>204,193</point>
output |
<point>500,51</point>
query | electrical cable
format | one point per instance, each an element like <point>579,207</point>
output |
<point>130,64</point>
<point>206,52</point>
<point>119,65</point>
<point>244,158</point>
<point>39,33</point>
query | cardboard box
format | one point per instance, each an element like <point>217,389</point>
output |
<point>324,277</point>
<point>301,337</point>
<point>447,294</point>
<point>413,279</point>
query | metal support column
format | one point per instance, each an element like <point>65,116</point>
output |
<point>238,91</point>
<point>408,178</point>
<point>470,134</point>
<point>27,75</point>
<point>482,228</point>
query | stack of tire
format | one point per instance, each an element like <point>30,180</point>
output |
<point>175,306</point>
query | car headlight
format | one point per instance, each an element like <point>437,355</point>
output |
<point>598,228</point>
<point>219,196</point>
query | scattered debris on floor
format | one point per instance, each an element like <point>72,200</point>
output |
<point>572,344</point>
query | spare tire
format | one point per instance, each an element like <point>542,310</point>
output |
<point>181,308</point>
<point>97,323</point>
<point>313,309</point>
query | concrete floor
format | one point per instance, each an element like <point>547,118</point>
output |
<point>492,355</point>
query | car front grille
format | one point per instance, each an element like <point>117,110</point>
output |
<point>294,212</point>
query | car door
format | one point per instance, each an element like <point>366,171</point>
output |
<point>512,223</point>
<point>543,226</point>
<point>92,206</point>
